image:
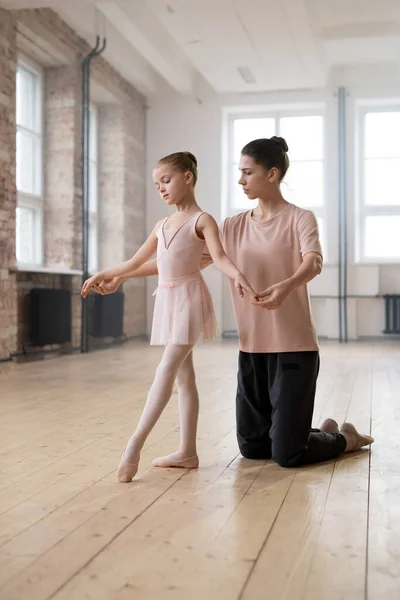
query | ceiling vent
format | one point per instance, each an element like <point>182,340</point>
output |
<point>246,74</point>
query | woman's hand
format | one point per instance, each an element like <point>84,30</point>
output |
<point>273,296</point>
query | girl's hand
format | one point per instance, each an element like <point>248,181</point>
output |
<point>90,283</point>
<point>241,284</point>
<point>108,286</point>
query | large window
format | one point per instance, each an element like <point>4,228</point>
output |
<point>93,190</point>
<point>379,185</point>
<point>29,164</point>
<point>304,181</point>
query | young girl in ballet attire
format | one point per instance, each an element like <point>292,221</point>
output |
<point>183,309</point>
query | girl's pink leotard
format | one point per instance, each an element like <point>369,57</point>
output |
<point>183,309</point>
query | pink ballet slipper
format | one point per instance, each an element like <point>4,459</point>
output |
<point>192,462</point>
<point>126,470</point>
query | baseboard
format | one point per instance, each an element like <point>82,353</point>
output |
<point>233,334</point>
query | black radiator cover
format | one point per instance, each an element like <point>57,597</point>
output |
<point>392,313</point>
<point>106,315</point>
<point>49,316</point>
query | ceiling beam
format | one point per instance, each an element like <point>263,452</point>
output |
<point>118,53</point>
<point>30,4</point>
<point>305,41</point>
<point>361,30</point>
<point>147,35</point>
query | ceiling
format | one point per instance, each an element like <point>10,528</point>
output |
<point>236,45</point>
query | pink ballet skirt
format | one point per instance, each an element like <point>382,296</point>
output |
<point>183,310</point>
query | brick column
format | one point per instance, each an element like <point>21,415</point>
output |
<point>134,215</point>
<point>62,222</point>
<point>111,185</point>
<point>122,199</point>
<point>8,294</point>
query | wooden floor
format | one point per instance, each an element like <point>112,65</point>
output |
<point>234,529</point>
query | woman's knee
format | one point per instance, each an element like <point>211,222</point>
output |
<point>286,458</point>
<point>255,451</point>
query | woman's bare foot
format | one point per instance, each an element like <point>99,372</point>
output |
<point>177,459</point>
<point>129,463</point>
<point>354,440</point>
<point>330,426</point>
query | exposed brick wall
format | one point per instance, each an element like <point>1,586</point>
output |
<point>8,299</point>
<point>134,212</point>
<point>62,215</point>
<point>122,207</point>
<point>121,172</point>
<point>111,184</point>
<point>58,32</point>
<point>28,281</point>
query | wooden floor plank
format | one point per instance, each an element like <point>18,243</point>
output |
<point>341,546</point>
<point>235,529</point>
<point>384,509</point>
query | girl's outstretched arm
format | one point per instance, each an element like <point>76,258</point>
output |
<point>144,253</point>
<point>109,286</point>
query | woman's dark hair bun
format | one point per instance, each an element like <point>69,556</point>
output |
<point>281,142</point>
<point>270,153</point>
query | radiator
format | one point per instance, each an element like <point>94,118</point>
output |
<point>106,315</point>
<point>392,313</point>
<point>49,316</point>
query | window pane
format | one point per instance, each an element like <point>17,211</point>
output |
<point>26,86</point>
<point>29,163</point>
<point>382,135</point>
<point>382,239</point>
<point>304,136</point>
<point>25,235</point>
<point>246,130</point>
<point>382,182</point>
<point>25,162</point>
<point>38,160</point>
<point>93,187</point>
<point>238,198</point>
<point>93,247</point>
<point>303,184</point>
<point>321,231</point>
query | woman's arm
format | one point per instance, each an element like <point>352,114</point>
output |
<point>273,296</point>
<point>309,268</point>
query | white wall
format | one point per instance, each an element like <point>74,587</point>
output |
<point>176,123</point>
<point>196,124</point>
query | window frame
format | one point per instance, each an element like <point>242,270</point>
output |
<point>276,112</point>
<point>362,209</point>
<point>34,202</point>
<point>93,215</point>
